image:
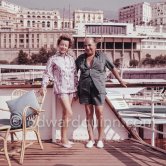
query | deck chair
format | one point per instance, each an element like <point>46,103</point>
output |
<point>4,136</point>
<point>33,118</point>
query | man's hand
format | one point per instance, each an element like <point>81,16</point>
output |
<point>123,83</point>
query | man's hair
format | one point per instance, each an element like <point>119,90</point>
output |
<point>91,38</point>
<point>65,37</point>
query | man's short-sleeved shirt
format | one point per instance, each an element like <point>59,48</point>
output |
<point>96,72</point>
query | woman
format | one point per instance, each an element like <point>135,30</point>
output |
<point>61,69</point>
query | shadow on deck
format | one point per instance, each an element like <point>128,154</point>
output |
<point>124,153</point>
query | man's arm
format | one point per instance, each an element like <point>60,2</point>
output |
<point>117,76</point>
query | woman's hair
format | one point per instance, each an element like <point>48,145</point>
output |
<point>67,38</point>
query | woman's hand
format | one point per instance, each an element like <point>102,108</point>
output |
<point>42,91</point>
<point>75,96</point>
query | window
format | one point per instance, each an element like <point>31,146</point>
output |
<point>55,24</point>
<point>33,23</point>
<point>43,24</point>
<point>21,40</point>
<point>21,35</point>
<point>48,24</point>
<point>28,24</point>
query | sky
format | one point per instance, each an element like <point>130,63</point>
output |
<point>112,5</point>
<point>105,5</point>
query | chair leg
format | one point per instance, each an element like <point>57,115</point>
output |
<point>22,148</point>
<point>6,153</point>
<point>12,137</point>
<point>15,136</point>
<point>39,138</point>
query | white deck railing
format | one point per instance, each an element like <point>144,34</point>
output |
<point>120,102</point>
<point>23,72</point>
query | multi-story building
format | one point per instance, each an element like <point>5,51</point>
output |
<point>115,39</point>
<point>80,16</point>
<point>29,29</point>
<point>7,19</point>
<point>38,19</point>
<point>159,13</point>
<point>6,5</point>
<point>66,23</point>
<point>123,40</point>
<point>138,14</point>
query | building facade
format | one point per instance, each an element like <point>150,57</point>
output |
<point>80,16</point>
<point>138,14</point>
<point>6,5</point>
<point>31,29</point>
<point>159,13</point>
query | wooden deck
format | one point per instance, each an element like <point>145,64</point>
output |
<point>124,153</point>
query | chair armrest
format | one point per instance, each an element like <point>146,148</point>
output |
<point>37,111</point>
<point>2,109</point>
<point>33,109</point>
<point>3,127</point>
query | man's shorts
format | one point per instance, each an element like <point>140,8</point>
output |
<point>91,95</point>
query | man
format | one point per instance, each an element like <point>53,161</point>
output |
<point>91,88</point>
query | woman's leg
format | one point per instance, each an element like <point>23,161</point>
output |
<point>66,102</point>
<point>100,121</point>
<point>89,120</point>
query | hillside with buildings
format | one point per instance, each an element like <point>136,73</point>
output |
<point>138,33</point>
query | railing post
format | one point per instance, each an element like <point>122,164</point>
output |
<point>152,118</point>
<point>0,75</point>
<point>33,76</point>
<point>54,109</point>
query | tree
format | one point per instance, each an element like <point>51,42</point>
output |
<point>43,55</point>
<point>160,60</point>
<point>4,62</point>
<point>35,58</point>
<point>133,63</point>
<point>148,60</point>
<point>52,51</point>
<point>117,63</point>
<point>23,57</point>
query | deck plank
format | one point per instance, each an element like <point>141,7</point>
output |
<point>124,153</point>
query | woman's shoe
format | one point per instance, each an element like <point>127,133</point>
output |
<point>71,143</point>
<point>67,145</point>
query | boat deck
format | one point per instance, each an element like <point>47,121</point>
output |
<point>123,153</point>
